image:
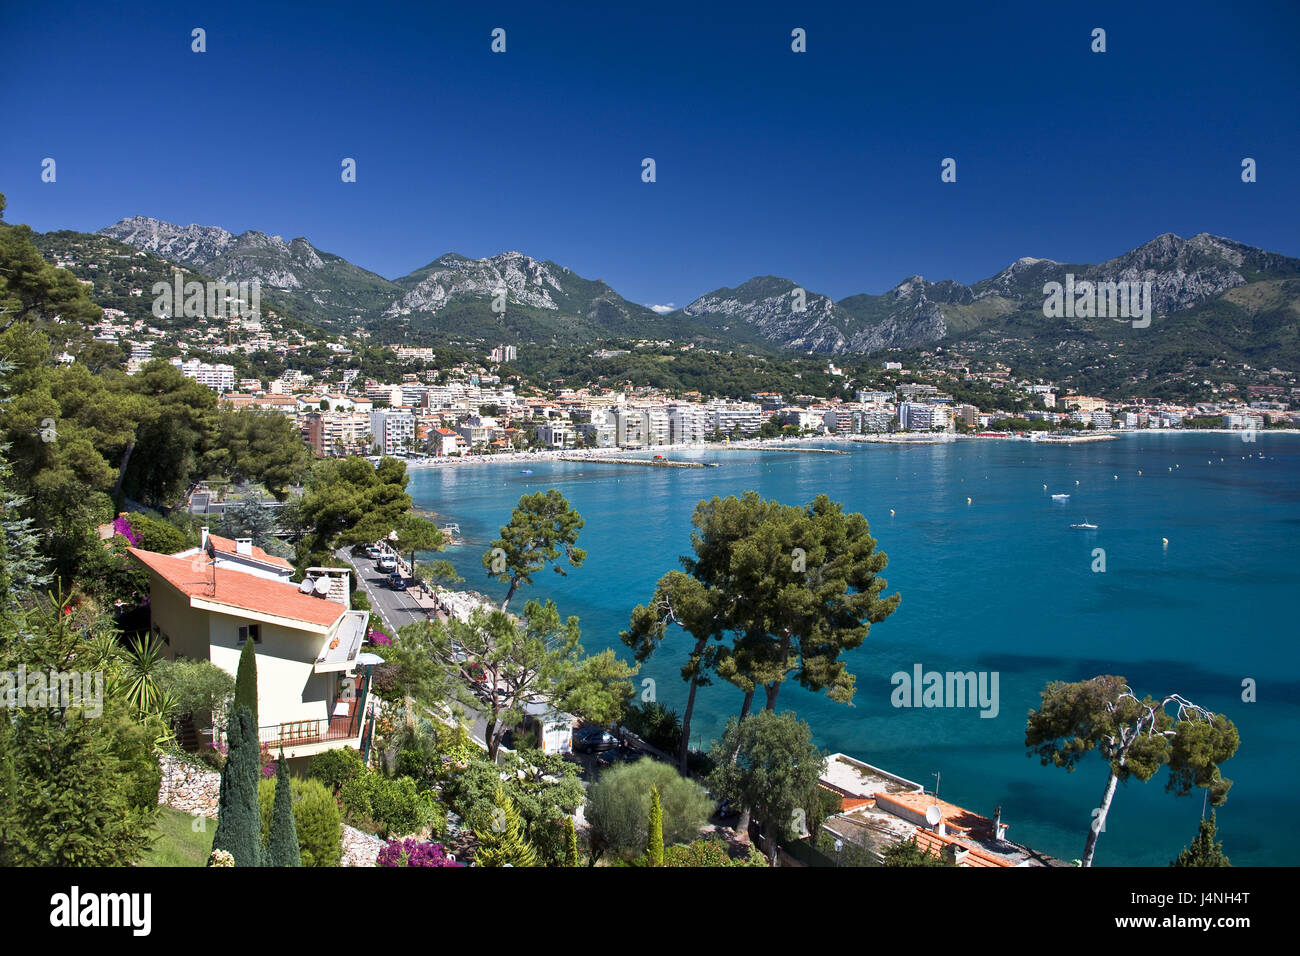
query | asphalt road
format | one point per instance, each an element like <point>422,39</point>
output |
<point>396,609</point>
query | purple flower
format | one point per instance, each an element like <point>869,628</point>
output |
<point>377,636</point>
<point>413,852</point>
<point>123,527</point>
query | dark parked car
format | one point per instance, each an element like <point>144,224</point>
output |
<point>619,755</point>
<point>594,741</point>
<point>396,581</point>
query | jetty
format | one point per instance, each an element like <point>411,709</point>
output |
<point>805,451</point>
<point>652,463</point>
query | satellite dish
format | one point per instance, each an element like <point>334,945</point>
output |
<point>322,586</point>
<point>306,586</point>
<point>933,816</point>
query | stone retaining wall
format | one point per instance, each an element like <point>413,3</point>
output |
<point>190,789</point>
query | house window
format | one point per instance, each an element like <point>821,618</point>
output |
<point>250,630</point>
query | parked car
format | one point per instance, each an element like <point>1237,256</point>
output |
<point>619,755</point>
<point>594,741</point>
<point>372,552</point>
<point>396,581</point>
<point>386,562</point>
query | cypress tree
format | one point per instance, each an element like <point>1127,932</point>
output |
<point>501,837</point>
<point>570,843</point>
<point>1204,851</point>
<point>655,839</point>
<point>246,680</point>
<point>239,820</point>
<point>283,848</point>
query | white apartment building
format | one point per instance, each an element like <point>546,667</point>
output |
<point>219,378</point>
<point>477,430</point>
<point>687,423</point>
<point>874,418</point>
<point>729,418</point>
<point>629,426</point>
<point>915,416</point>
<point>658,427</point>
<point>555,434</point>
<point>393,430</point>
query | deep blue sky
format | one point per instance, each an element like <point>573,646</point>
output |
<point>822,166</point>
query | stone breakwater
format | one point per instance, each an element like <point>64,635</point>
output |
<point>634,461</point>
<point>195,790</point>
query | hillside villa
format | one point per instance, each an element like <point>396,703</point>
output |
<point>312,677</point>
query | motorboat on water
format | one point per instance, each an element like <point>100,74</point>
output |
<point>1085,526</point>
<point>1060,497</point>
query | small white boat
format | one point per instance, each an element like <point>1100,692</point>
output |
<point>1060,497</point>
<point>1084,526</point>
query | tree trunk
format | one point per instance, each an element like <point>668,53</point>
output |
<point>749,702</point>
<point>514,584</point>
<point>772,690</point>
<point>1099,820</point>
<point>742,826</point>
<point>493,740</point>
<point>121,472</point>
<point>684,748</point>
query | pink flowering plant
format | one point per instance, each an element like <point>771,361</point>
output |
<point>413,852</point>
<point>122,527</point>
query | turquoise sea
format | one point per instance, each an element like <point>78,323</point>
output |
<point>1000,584</point>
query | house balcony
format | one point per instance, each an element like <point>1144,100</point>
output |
<point>304,738</point>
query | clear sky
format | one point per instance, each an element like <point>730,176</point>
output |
<point>822,166</point>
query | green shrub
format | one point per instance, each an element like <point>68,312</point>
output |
<point>157,535</point>
<point>709,852</point>
<point>201,688</point>
<point>618,807</point>
<point>315,816</point>
<point>394,805</point>
<point>334,768</point>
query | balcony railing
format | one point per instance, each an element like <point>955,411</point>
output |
<point>298,733</point>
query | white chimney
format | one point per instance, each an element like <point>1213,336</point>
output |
<point>244,546</point>
<point>203,538</point>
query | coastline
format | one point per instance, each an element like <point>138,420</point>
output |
<point>758,444</point>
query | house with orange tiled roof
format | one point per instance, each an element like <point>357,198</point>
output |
<point>446,441</point>
<point>239,553</point>
<point>312,675</point>
<point>879,809</point>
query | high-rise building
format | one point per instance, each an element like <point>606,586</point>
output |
<point>915,416</point>
<point>393,430</point>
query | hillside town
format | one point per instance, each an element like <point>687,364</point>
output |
<point>419,410</point>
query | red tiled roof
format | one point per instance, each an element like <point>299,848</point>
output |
<point>954,817</point>
<point>936,845</point>
<point>228,546</point>
<point>239,589</point>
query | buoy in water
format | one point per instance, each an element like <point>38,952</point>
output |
<point>1165,542</point>
<point>967,501</point>
<point>891,512</point>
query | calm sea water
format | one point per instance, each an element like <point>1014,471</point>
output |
<point>1000,584</point>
